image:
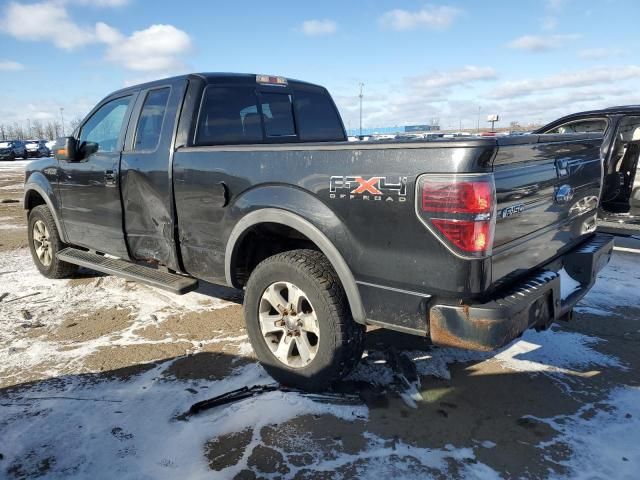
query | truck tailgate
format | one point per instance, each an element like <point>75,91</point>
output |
<point>547,198</point>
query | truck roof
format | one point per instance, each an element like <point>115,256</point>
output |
<point>221,77</point>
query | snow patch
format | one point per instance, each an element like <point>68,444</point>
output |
<point>568,284</point>
<point>555,351</point>
<point>617,285</point>
<point>48,302</point>
<point>112,428</point>
<point>604,440</point>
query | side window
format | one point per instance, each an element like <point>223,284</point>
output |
<point>317,117</point>
<point>594,125</point>
<point>228,115</point>
<point>105,125</point>
<point>278,115</point>
<point>151,118</point>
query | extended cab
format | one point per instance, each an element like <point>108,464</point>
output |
<point>250,181</point>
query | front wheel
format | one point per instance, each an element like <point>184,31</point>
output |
<point>299,321</point>
<point>45,243</point>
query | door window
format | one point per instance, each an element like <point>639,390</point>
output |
<point>151,118</point>
<point>591,125</point>
<point>105,125</point>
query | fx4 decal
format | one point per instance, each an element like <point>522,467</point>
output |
<point>373,188</point>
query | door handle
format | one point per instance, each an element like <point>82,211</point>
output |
<point>110,178</point>
<point>562,167</point>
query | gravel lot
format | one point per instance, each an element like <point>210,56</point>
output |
<point>95,373</point>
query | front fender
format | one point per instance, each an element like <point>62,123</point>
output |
<point>37,184</point>
<point>303,212</point>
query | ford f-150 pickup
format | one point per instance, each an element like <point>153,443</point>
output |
<point>249,181</point>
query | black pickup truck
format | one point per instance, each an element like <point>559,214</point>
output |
<point>249,181</point>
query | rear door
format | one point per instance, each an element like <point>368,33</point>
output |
<point>89,189</point>
<point>547,189</point>
<point>145,174</point>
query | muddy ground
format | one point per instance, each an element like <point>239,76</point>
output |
<point>96,372</point>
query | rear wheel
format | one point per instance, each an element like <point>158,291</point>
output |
<point>45,243</point>
<point>299,322</point>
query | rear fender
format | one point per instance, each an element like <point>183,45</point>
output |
<point>303,212</point>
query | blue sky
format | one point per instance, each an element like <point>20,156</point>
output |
<point>527,60</point>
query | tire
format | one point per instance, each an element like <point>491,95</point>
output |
<point>340,340</point>
<point>55,268</point>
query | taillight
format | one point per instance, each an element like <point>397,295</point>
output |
<point>460,210</point>
<point>461,197</point>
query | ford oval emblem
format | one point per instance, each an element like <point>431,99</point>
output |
<point>564,194</point>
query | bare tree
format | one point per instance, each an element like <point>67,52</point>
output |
<point>75,122</point>
<point>37,129</point>
<point>16,131</point>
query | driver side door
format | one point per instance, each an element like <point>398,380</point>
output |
<point>89,188</point>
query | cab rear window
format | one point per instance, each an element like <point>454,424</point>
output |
<point>249,115</point>
<point>317,117</point>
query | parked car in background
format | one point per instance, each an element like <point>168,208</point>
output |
<point>50,144</point>
<point>37,148</point>
<point>619,211</point>
<point>12,149</point>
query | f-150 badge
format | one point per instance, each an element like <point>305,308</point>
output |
<point>373,188</point>
<point>512,210</point>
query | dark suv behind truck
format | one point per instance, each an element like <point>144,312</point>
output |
<point>13,149</point>
<point>620,126</point>
<point>250,181</point>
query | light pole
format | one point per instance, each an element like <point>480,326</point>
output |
<point>478,126</point>
<point>361,87</point>
<point>62,119</point>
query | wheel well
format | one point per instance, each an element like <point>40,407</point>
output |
<point>33,200</point>
<point>263,241</point>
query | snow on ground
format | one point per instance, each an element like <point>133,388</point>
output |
<point>16,166</point>
<point>617,286</point>
<point>605,438</point>
<point>111,429</point>
<point>14,186</point>
<point>555,351</point>
<point>97,426</point>
<point>48,302</point>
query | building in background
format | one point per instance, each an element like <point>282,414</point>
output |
<point>394,130</point>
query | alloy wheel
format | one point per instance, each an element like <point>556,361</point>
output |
<point>289,324</point>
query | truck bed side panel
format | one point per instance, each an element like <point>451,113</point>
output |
<point>384,244</point>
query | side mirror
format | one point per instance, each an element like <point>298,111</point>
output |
<point>66,149</point>
<point>87,148</point>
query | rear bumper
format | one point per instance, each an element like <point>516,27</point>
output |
<point>536,301</point>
